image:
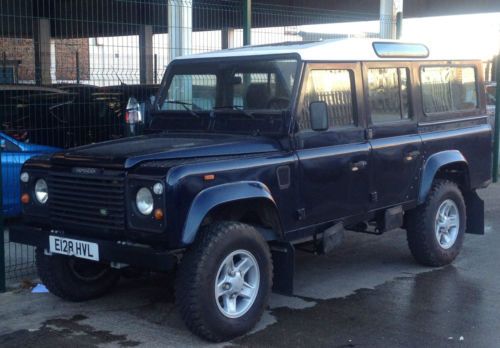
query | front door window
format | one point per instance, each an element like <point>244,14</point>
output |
<point>334,87</point>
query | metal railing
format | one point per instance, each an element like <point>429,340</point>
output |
<point>68,67</point>
<point>496,138</point>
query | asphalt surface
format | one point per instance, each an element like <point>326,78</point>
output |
<point>370,293</point>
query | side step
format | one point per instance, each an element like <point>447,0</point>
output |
<point>333,237</point>
<point>324,242</point>
<point>386,220</point>
<point>391,219</point>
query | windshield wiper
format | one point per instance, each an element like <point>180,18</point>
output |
<point>186,106</point>
<point>239,108</point>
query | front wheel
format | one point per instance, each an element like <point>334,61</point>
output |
<point>75,279</point>
<point>224,281</point>
<point>436,229</point>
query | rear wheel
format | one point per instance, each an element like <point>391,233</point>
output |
<point>224,281</point>
<point>75,279</point>
<point>436,229</point>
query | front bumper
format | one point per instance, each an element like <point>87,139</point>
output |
<point>109,251</point>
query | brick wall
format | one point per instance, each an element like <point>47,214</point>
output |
<point>66,59</point>
<point>22,50</point>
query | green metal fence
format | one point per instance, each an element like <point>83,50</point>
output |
<point>2,248</point>
<point>68,67</point>
<point>496,141</point>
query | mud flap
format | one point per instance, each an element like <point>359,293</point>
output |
<point>475,213</point>
<point>283,254</point>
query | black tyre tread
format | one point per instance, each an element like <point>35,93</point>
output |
<point>188,303</point>
<point>419,242</point>
<point>47,277</point>
<point>51,272</point>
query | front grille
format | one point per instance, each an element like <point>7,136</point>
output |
<point>88,203</point>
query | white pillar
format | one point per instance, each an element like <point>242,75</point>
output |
<point>227,37</point>
<point>388,14</point>
<point>41,43</point>
<point>146,54</point>
<point>53,61</point>
<point>180,27</point>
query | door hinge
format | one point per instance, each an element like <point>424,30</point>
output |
<point>301,214</point>
<point>373,196</point>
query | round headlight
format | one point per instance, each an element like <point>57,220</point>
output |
<point>158,188</point>
<point>25,177</point>
<point>144,201</point>
<point>41,191</point>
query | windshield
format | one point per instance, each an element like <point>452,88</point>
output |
<point>233,95</point>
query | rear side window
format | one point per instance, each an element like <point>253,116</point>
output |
<point>335,88</point>
<point>448,89</point>
<point>388,94</point>
<point>491,95</point>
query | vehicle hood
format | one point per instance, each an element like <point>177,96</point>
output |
<point>28,147</point>
<point>128,152</point>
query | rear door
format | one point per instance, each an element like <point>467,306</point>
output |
<point>396,144</point>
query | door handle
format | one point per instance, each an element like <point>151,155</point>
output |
<point>410,156</point>
<point>357,166</point>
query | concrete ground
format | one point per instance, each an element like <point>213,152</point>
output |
<point>369,293</point>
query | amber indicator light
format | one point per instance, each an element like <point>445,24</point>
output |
<point>158,214</point>
<point>25,198</point>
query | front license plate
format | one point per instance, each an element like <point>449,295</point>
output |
<point>73,247</point>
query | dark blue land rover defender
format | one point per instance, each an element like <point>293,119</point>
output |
<point>251,151</point>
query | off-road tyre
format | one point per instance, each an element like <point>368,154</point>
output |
<point>58,274</point>
<point>196,276</point>
<point>421,230</point>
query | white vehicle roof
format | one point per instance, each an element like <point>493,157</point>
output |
<point>331,50</point>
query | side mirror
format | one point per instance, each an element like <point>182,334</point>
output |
<point>134,117</point>
<point>318,112</point>
<point>134,112</point>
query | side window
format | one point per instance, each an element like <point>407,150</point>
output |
<point>448,88</point>
<point>335,88</point>
<point>491,95</point>
<point>9,146</point>
<point>388,94</point>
